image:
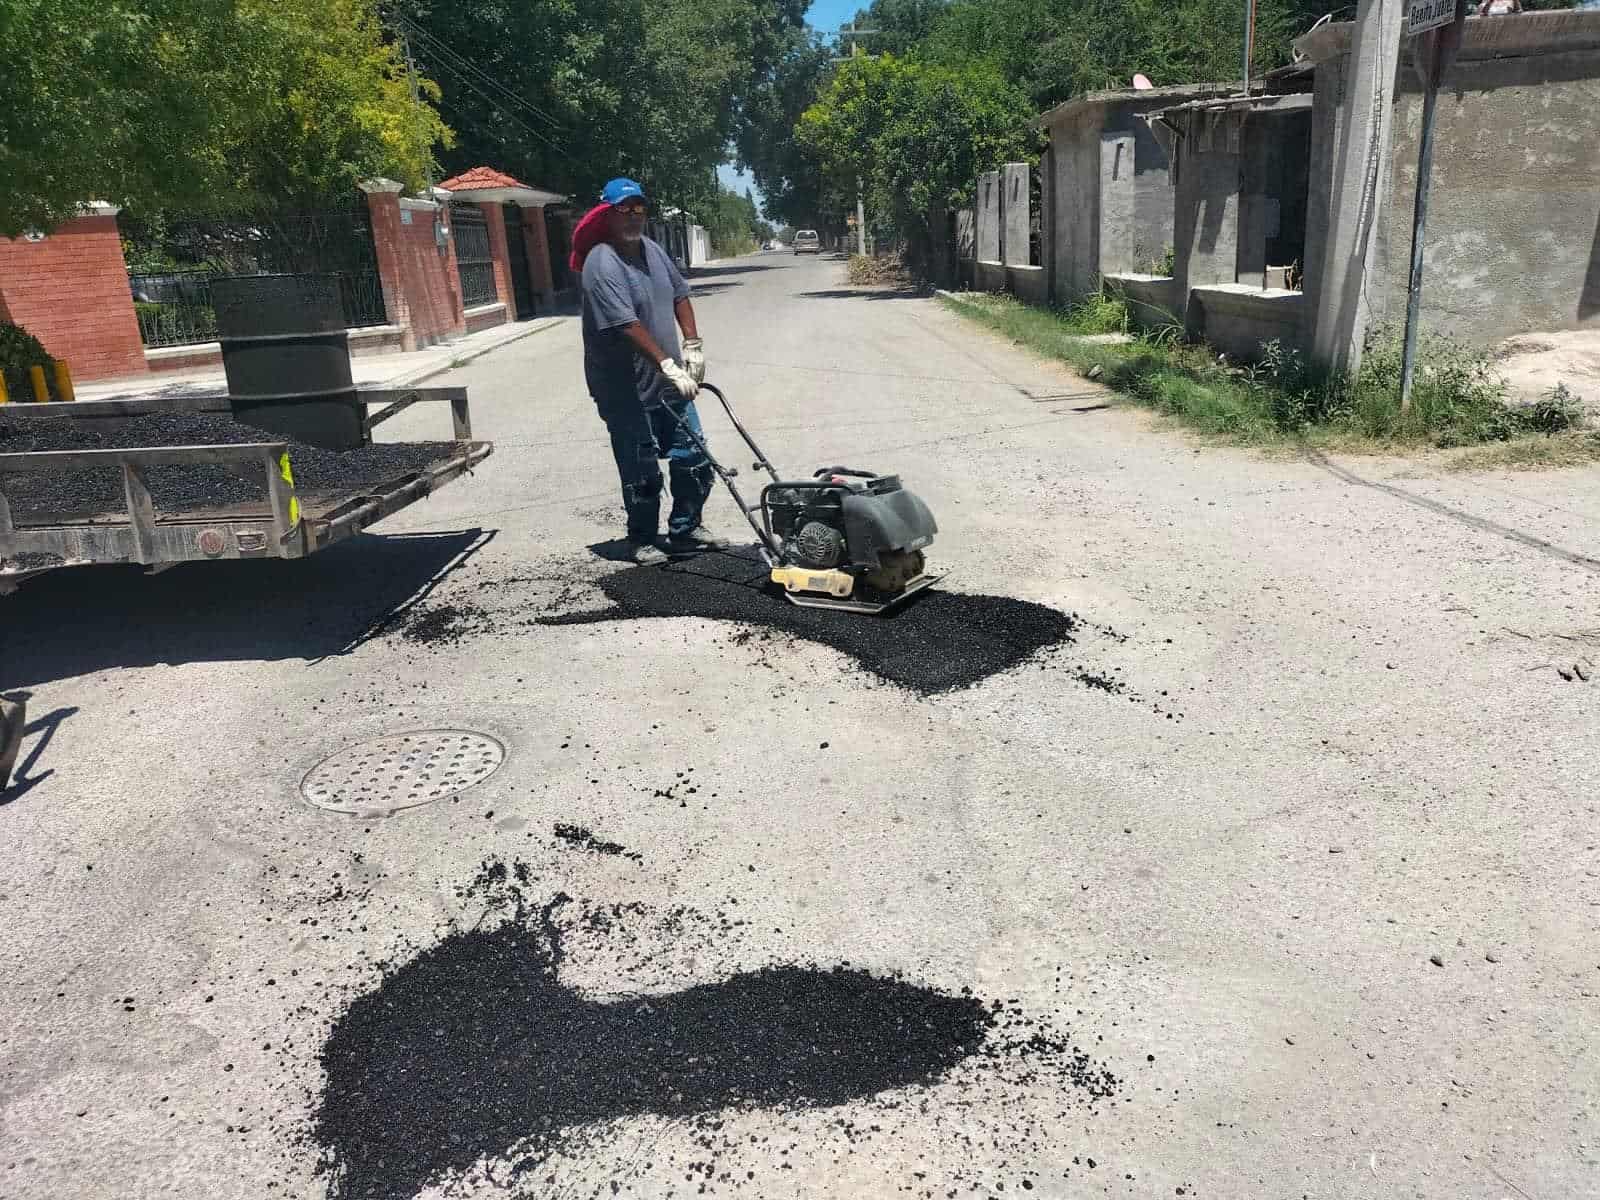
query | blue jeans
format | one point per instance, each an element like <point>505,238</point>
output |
<point>638,439</point>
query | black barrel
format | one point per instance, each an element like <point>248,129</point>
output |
<point>287,356</point>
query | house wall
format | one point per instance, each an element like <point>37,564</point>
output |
<point>1513,234</point>
<point>1112,187</point>
<point>1513,230</point>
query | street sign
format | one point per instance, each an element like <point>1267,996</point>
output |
<point>1423,15</point>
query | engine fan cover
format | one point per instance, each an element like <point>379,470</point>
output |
<point>819,545</point>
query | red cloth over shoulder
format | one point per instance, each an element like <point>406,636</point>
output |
<point>591,231</point>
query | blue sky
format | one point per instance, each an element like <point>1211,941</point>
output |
<point>822,15</point>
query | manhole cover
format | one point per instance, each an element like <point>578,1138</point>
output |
<point>402,770</point>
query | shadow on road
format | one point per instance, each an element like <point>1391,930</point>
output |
<point>712,272</point>
<point>80,620</point>
<point>23,780</point>
<point>866,294</point>
<point>1549,549</point>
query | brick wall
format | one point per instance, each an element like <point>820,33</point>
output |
<point>71,292</point>
<point>537,242</point>
<point>500,250</point>
<point>433,289</point>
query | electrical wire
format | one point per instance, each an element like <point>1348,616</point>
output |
<point>443,51</point>
<point>498,107</point>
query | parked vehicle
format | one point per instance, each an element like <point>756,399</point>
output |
<point>806,241</point>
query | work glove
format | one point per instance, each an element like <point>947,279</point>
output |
<point>694,359</point>
<point>679,378</point>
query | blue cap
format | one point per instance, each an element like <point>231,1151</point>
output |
<point>618,190</point>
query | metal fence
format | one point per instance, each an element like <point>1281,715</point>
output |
<point>172,263</point>
<point>474,261</point>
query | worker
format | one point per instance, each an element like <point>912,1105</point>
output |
<point>635,301</point>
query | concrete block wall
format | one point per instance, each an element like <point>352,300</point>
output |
<point>1015,215</point>
<point>1514,211</point>
<point>986,216</point>
<point>70,290</point>
<point>1111,209</point>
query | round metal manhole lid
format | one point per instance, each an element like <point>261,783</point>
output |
<point>402,770</point>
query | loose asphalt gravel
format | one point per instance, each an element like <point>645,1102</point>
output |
<point>935,642</point>
<point>1222,825</point>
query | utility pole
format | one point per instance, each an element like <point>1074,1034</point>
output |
<point>854,32</point>
<point>1249,41</point>
<point>1435,27</point>
<point>441,230</point>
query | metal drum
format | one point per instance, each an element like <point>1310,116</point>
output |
<point>287,356</point>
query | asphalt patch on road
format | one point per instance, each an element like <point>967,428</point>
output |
<point>475,1049</point>
<point>939,641</point>
<point>582,839</point>
<point>317,472</point>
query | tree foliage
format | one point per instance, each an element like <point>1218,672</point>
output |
<point>915,135</point>
<point>198,104</point>
<point>568,93</point>
<point>733,222</point>
<point>788,172</point>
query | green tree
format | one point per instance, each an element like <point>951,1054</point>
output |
<point>790,175</point>
<point>332,104</point>
<point>198,105</point>
<point>567,93</point>
<point>1055,49</point>
<point>916,136</point>
<point>901,25</point>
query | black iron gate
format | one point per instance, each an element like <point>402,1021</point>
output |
<point>521,277</point>
<point>474,259</point>
<point>171,263</point>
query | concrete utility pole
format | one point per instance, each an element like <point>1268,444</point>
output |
<point>1435,28</point>
<point>853,32</point>
<point>1361,153</point>
<point>1249,41</point>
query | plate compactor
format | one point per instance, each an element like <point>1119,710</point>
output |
<point>843,539</point>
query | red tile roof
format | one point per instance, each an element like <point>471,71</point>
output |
<point>479,178</point>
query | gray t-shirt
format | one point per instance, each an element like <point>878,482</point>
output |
<point>617,292</point>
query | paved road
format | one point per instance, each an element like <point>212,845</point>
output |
<point>1340,746</point>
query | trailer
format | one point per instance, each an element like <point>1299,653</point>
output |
<point>285,522</point>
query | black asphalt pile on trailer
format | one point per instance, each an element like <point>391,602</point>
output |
<point>317,472</point>
<point>937,642</point>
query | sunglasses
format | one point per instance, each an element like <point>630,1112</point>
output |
<point>636,209</point>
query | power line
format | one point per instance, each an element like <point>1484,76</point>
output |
<point>444,51</point>
<point>465,66</point>
<point>499,108</point>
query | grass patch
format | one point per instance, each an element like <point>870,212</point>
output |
<point>1458,399</point>
<point>1576,448</point>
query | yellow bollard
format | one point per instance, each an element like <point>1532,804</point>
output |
<point>5,397</point>
<point>41,392</point>
<point>64,381</point>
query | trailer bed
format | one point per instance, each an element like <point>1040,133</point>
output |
<point>164,518</point>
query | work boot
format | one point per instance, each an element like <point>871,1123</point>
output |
<point>645,553</point>
<point>695,541</point>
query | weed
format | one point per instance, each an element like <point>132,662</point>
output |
<point>1098,313</point>
<point>1457,398</point>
